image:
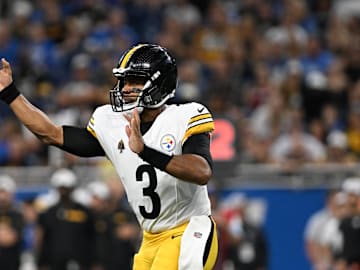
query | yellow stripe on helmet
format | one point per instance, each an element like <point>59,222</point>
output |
<point>129,54</point>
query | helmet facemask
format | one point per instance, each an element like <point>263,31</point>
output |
<point>118,96</point>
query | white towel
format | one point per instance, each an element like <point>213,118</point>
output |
<point>193,243</point>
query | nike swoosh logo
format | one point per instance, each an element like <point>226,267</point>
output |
<point>176,235</point>
<point>200,110</point>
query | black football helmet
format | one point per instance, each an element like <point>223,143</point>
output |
<point>151,64</point>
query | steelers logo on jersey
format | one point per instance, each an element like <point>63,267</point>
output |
<point>168,142</point>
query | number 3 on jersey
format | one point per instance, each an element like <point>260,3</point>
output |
<point>149,191</point>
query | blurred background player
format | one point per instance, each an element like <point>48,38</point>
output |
<point>117,232</point>
<point>349,226</point>
<point>11,226</point>
<point>66,229</point>
<point>247,244</point>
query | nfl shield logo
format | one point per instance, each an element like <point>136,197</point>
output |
<point>197,234</point>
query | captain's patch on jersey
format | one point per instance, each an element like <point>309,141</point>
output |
<point>168,142</point>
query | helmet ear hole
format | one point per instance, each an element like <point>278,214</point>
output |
<point>155,96</point>
<point>169,83</point>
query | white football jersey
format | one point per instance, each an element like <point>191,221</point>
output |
<point>159,200</point>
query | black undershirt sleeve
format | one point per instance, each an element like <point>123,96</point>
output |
<point>80,142</point>
<point>199,144</point>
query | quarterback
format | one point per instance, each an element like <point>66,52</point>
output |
<point>160,151</point>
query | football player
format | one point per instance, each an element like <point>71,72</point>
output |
<point>161,153</point>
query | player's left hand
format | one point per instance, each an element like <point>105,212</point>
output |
<point>136,141</point>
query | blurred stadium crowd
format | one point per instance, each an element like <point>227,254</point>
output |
<point>284,73</point>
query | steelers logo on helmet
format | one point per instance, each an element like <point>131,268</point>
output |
<point>151,64</point>
<point>168,142</point>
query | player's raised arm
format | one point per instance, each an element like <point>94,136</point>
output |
<point>33,118</point>
<point>71,139</point>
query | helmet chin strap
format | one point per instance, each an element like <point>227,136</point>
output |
<point>145,98</point>
<point>139,109</point>
<point>129,112</point>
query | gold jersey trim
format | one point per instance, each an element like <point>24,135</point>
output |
<point>91,130</point>
<point>203,127</point>
<point>90,126</point>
